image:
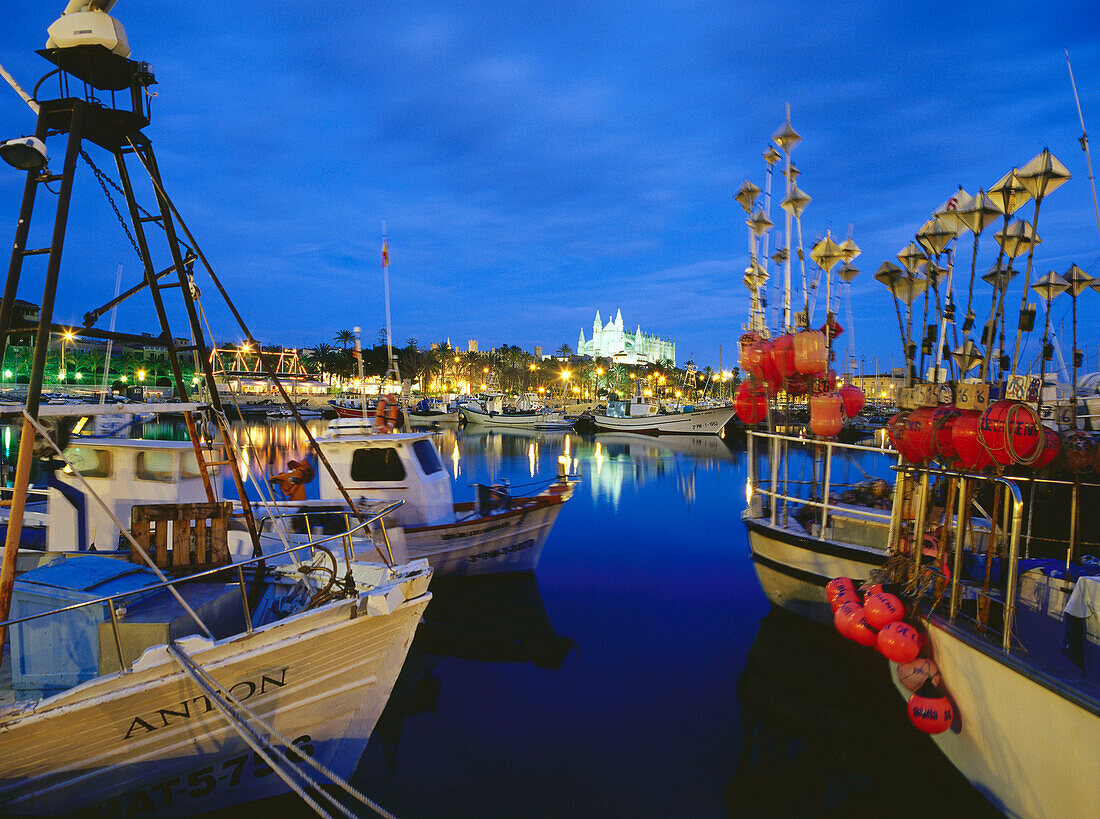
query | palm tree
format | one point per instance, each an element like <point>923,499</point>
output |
<point>564,351</point>
<point>344,338</point>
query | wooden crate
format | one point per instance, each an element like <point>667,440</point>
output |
<point>182,537</point>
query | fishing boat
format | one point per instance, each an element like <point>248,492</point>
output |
<point>432,411</point>
<point>491,411</point>
<point>648,416</point>
<point>985,530</point>
<point>168,678</point>
<point>497,532</point>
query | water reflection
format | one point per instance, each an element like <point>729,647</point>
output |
<point>824,732</point>
<point>486,619</point>
<point>616,460</point>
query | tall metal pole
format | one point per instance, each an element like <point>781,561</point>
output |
<point>34,389</point>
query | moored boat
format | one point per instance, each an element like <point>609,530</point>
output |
<point>646,416</point>
<point>989,544</point>
<point>164,678</point>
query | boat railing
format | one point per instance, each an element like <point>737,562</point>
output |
<point>1005,523</point>
<point>112,601</point>
<point>309,522</point>
<point>783,492</point>
<point>33,495</point>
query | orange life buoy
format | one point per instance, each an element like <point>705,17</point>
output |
<point>381,421</point>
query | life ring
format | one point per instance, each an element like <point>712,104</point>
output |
<point>386,413</point>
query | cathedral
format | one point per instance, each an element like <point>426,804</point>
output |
<point>611,341</point>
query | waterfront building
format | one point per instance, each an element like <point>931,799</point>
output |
<point>612,341</point>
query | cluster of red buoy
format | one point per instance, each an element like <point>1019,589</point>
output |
<point>1007,432</point>
<point>797,363</point>
<point>876,620</point>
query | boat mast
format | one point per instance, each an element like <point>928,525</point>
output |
<point>1084,140</point>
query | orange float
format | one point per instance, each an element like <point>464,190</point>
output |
<point>853,399</point>
<point>751,401</point>
<point>1010,430</point>
<point>810,354</point>
<point>826,414</point>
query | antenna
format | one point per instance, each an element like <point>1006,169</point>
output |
<point>1084,140</point>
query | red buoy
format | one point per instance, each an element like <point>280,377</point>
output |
<point>971,452</point>
<point>931,714</point>
<point>882,609</point>
<point>753,349</point>
<point>751,401</point>
<point>943,419</point>
<point>826,414</point>
<point>860,630</point>
<point>870,590</point>
<point>843,596</point>
<point>1078,450</point>
<point>916,439</point>
<point>810,355</point>
<point>844,615</point>
<point>899,642</point>
<point>1010,430</point>
<point>782,354</point>
<point>799,384</point>
<point>853,399</point>
<point>895,428</point>
<point>917,672</point>
<point>833,587</point>
<point>1052,444</point>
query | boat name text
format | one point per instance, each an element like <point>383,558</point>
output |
<point>197,706</point>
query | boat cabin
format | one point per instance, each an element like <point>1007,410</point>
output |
<point>394,466</point>
<point>638,407</point>
<point>123,472</point>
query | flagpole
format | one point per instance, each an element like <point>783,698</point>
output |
<point>390,367</point>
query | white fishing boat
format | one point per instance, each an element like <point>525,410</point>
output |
<point>497,532</point>
<point>432,411</point>
<point>491,411</point>
<point>646,415</point>
<point>125,704</point>
<point>187,671</point>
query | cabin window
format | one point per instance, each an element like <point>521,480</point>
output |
<point>428,456</point>
<point>89,462</point>
<point>376,464</point>
<point>155,466</point>
<point>189,467</point>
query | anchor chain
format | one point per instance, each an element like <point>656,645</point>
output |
<point>104,180</point>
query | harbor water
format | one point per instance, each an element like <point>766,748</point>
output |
<point>640,671</point>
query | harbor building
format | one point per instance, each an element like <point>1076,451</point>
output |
<point>612,341</point>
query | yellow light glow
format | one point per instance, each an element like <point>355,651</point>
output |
<point>141,375</point>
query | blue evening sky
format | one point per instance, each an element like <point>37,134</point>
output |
<point>537,162</point>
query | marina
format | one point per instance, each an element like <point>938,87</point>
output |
<point>813,543</point>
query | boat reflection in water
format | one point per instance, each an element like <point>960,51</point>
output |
<point>824,733</point>
<point>618,459</point>
<point>499,618</point>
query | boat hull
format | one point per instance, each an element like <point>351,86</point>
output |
<point>793,568</point>
<point>475,417</point>
<point>700,422</point>
<point>433,417</point>
<point>1025,745</point>
<point>510,541</point>
<point>147,741</point>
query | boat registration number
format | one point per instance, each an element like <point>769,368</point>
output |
<point>199,782</point>
<point>504,551</point>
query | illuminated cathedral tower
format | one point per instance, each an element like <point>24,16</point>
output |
<point>611,341</point>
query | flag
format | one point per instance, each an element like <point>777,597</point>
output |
<point>385,254</point>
